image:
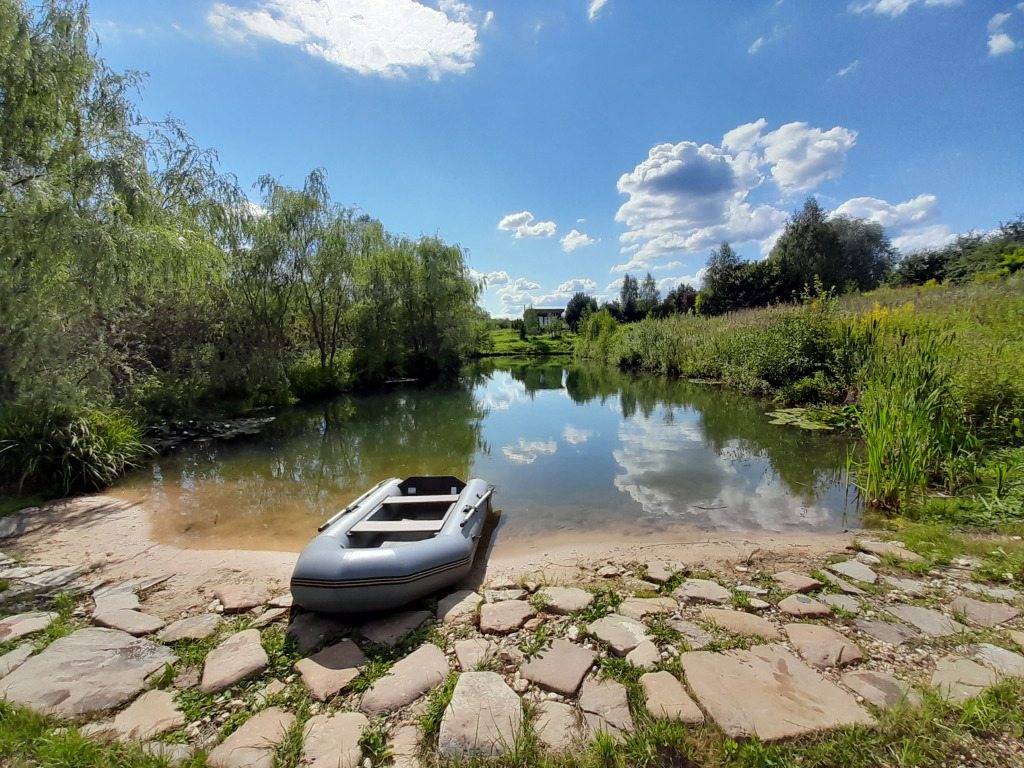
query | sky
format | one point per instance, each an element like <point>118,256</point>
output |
<point>565,143</point>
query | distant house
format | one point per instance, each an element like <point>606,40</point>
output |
<point>546,317</point>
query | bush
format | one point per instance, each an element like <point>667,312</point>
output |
<point>308,381</point>
<point>67,450</point>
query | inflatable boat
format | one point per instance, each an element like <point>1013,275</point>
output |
<point>399,541</point>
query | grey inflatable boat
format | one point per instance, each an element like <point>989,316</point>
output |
<point>399,541</point>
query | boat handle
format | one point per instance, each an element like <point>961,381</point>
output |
<point>352,506</point>
<point>471,509</point>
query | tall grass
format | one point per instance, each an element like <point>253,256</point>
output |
<point>65,450</point>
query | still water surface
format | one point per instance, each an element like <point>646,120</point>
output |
<point>574,451</point>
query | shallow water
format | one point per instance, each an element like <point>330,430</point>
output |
<point>576,452</point>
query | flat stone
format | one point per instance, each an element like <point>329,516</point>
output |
<point>659,572</point>
<point>88,671</point>
<point>565,600</point>
<point>133,622</point>
<point>409,679</point>
<point>997,593</point>
<point>823,647</point>
<point>172,754</point>
<point>23,624</point>
<point>621,633</point>
<point>608,572</point>
<point>561,668</point>
<point>882,548</point>
<point>843,585</point>
<point>273,688</point>
<point>120,600</point>
<point>332,669</point>
<point>484,717</point>
<point>695,636</point>
<point>281,601</point>
<point>645,655</point>
<point>742,623</point>
<point>470,653</point>
<point>797,582</point>
<point>928,621</point>
<point>253,744</point>
<point>1006,663</point>
<point>187,678</point>
<point>23,571</point>
<point>20,523</point>
<point>459,607</point>
<point>854,570</point>
<point>882,690</point>
<point>640,607</point>
<point>502,618</point>
<point>887,631</point>
<point>57,577</point>
<point>390,630</point>
<point>556,726</point>
<point>153,713</point>
<point>311,630</point>
<point>237,598</point>
<point>405,747</point>
<point>332,741</point>
<point>909,586</point>
<point>769,693</point>
<point>666,698</point>
<point>14,659</point>
<point>270,616</point>
<point>843,602</point>
<point>501,595</point>
<point>750,590</point>
<point>237,659</point>
<point>605,706</point>
<point>984,614</point>
<point>960,679</point>
<point>801,605</point>
<point>1017,637</point>
<point>757,603</point>
<point>867,559</point>
<point>701,591</point>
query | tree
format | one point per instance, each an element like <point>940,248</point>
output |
<point>531,325</point>
<point>649,296</point>
<point>628,297</point>
<point>721,264</point>
<point>679,301</point>
<point>809,247</point>
<point>867,255</point>
<point>576,306</point>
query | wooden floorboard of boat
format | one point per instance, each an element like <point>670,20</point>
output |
<point>397,526</point>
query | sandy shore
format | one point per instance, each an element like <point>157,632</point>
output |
<point>115,538</point>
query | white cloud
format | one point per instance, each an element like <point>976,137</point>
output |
<point>894,8</point>
<point>595,8</point>
<point>497,279</point>
<point>522,225</point>
<point>686,198</point>
<point>995,24</point>
<point>389,38</point>
<point>575,436</point>
<point>574,240</point>
<point>911,226</point>
<point>849,68</point>
<point>1000,44</point>
<point>527,451</point>
<point>755,46</point>
<point>488,19</point>
<point>577,285</point>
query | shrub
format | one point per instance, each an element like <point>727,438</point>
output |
<point>64,449</point>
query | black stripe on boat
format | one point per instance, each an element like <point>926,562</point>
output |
<point>380,581</point>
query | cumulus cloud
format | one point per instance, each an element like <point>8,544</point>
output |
<point>576,436</point>
<point>522,225</point>
<point>686,197</point>
<point>577,285</point>
<point>894,8</point>
<point>849,68</point>
<point>527,451</point>
<point>911,225</point>
<point>574,240</point>
<point>999,42</point>
<point>390,38</point>
<point>595,8</point>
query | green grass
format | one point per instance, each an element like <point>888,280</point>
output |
<point>439,699</point>
<point>506,342</point>
<point>13,502</point>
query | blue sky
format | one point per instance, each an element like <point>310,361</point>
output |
<point>564,143</point>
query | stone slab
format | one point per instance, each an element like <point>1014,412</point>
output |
<point>14,627</point>
<point>133,622</point>
<point>769,693</point>
<point>405,747</point>
<point>270,616</point>
<point>472,652</point>
<point>801,605</point>
<point>996,593</point>
<point>459,607</point>
<point>116,600</point>
<point>501,595</point>
<point>843,584</point>
<point>659,571</point>
<point>561,668</point>
<point>238,598</point>
<point>666,698</point>
<point>605,705</point>
<point>505,617</point>
<point>882,690</point>
<point>1017,637</point>
<point>742,623</point>
<point>170,754</point>
<point>796,582</point>
<point>701,591</point>
<point>960,679</point>
<point>695,636</point>
<point>239,658</point>
<point>565,600</point>
<point>882,548</point>
<point>330,670</point>
<point>621,633</point>
<point>88,671</point>
<point>153,713</point>
<point>930,622</point>
<point>1006,663</point>
<point>887,631</point>
<point>253,744</point>
<point>641,607</point>
<point>556,726</point>
<point>58,577</point>
<point>911,587</point>
<point>390,629</point>
<point>11,660</point>
<point>645,655</point>
<point>984,614</point>
<point>409,679</point>
<point>484,717</point>
<point>822,647</point>
<point>854,570</point>
<point>311,630</point>
<point>332,741</point>
<point>843,602</point>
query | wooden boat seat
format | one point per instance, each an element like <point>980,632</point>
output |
<point>398,526</point>
<point>446,498</point>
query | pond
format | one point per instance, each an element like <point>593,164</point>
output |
<point>575,451</point>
